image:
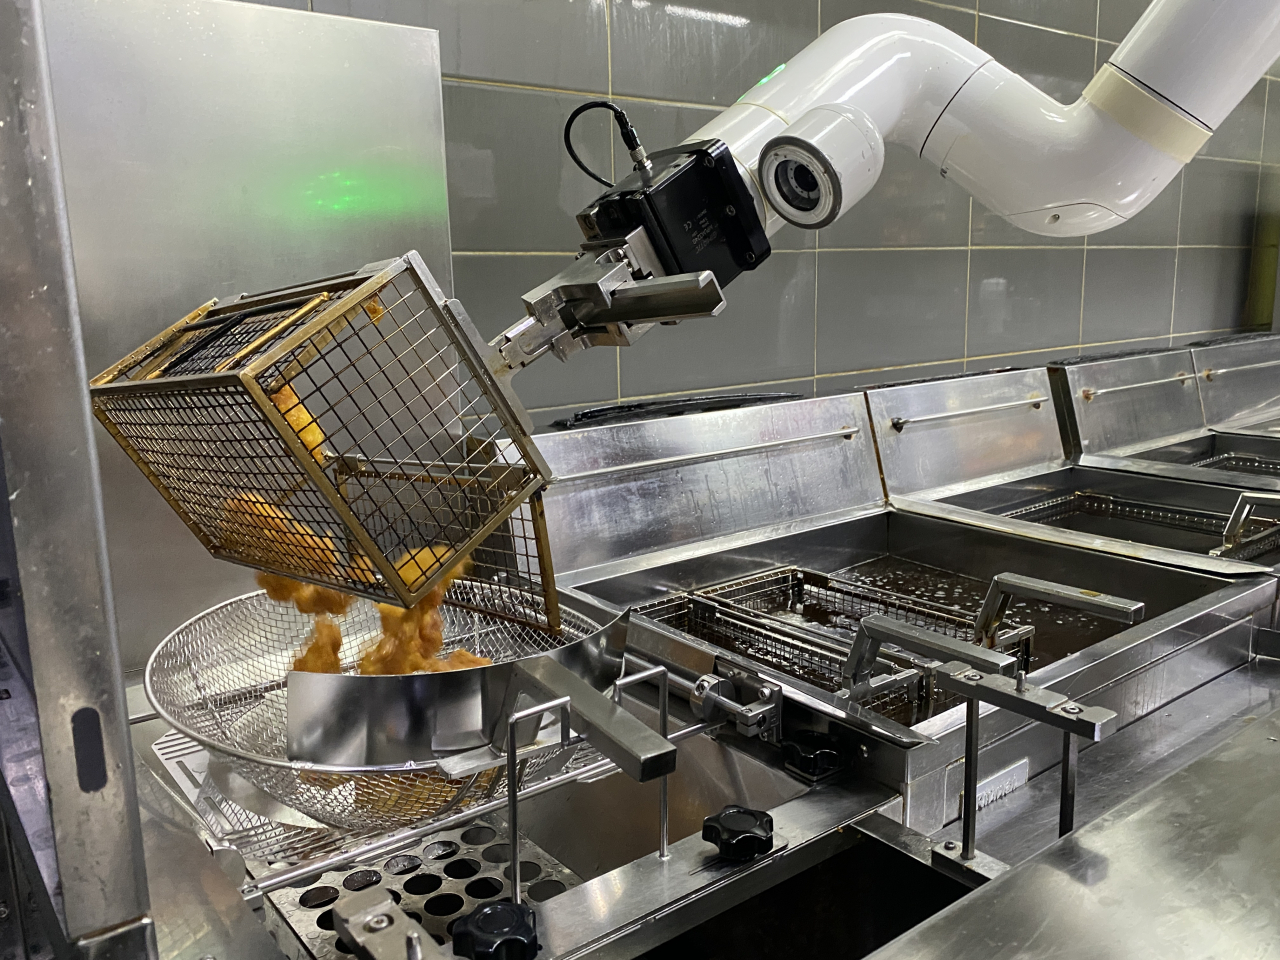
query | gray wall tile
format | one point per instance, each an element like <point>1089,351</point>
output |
<point>708,51</point>
<point>764,333</point>
<point>1271,140</point>
<point>511,184</point>
<point>1023,299</point>
<point>1239,136</point>
<point>1117,17</point>
<point>871,297</point>
<point>1077,16</point>
<point>890,307</point>
<point>955,20</point>
<point>912,205</point>
<point>848,382</point>
<point>490,288</point>
<point>1127,294</point>
<point>554,43</point>
<point>1211,289</point>
<point>1058,64</point>
<point>1218,200</point>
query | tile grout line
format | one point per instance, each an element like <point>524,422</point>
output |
<point>570,92</point>
<point>815,307</point>
<point>1173,299</point>
<point>1084,273</point>
<point>905,366</point>
<point>968,267</point>
<point>954,249</point>
<point>1262,149</point>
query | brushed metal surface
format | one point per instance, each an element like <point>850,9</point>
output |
<point>1151,879</point>
<point>943,436</point>
<point>1239,381</point>
<point>710,492</point>
<point>212,148</point>
<point>56,503</point>
<point>1120,405</point>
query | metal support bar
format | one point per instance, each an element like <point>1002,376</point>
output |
<point>1035,703</point>
<point>660,674</point>
<point>1209,372</point>
<point>972,708</point>
<point>1088,393</point>
<point>1034,402</point>
<point>1067,807</point>
<point>513,777</point>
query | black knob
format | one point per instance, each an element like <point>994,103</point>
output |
<point>739,833</point>
<point>497,931</point>
<point>811,754</point>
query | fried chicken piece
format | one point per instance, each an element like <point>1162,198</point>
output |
<point>306,597</point>
<point>251,520</point>
<point>460,660</point>
<point>300,418</point>
<point>321,652</point>
<point>413,638</point>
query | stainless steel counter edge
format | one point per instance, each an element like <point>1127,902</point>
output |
<point>1072,538</point>
<point>616,916</point>
<point>1179,471</point>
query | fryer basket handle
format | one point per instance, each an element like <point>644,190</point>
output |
<point>1005,586</point>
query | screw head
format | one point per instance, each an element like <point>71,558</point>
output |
<point>1073,708</point>
<point>709,161</point>
<point>730,210</point>
<point>751,257</point>
<point>949,845</point>
<point>380,922</point>
<point>973,675</point>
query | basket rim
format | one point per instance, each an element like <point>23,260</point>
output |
<point>412,766</point>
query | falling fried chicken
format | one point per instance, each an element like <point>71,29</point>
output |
<point>412,638</point>
<point>320,654</point>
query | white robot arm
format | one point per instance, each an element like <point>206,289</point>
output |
<point>807,143</point>
<point>821,121</point>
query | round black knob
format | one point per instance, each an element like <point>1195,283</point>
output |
<point>811,754</point>
<point>497,931</point>
<point>739,833</point>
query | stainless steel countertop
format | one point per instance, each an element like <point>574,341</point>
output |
<point>1189,868</point>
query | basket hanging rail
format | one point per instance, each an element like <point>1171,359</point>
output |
<point>347,432</point>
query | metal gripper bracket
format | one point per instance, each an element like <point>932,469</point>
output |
<point>1034,703</point>
<point>610,296</point>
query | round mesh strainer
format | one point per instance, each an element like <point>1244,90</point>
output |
<point>220,679</point>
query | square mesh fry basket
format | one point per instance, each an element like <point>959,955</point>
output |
<point>347,432</point>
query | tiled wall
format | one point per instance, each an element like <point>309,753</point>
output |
<point>917,280</point>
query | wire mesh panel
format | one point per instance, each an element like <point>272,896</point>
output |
<point>347,432</point>
<point>221,680</point>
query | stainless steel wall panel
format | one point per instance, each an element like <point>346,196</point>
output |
<point>690,482</point>
<point>943,436</point>
<point>212,148</point>
<point>1240,381</point>
<point>1121,405</point>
